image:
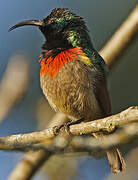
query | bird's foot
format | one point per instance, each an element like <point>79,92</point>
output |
<point>66,126</point>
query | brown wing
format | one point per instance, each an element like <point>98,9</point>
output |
<point>102,96</point>
<point>100,84</point>
<point>116,161</point>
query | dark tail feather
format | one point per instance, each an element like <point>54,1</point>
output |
<point>116,161</point>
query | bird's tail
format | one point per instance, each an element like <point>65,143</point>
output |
<point>116,161</point>
<point>115,158</point>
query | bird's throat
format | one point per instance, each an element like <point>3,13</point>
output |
<point>51,65</point>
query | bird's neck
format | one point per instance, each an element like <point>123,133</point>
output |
<point>76,45</point>
<point>80,37</point>
<point>71,38</point>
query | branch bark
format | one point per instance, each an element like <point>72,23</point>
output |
<point>32,161</point>
<point>13,84</point>
<point>43,139</point>
<point>122,38</point>
<point>107,124</point>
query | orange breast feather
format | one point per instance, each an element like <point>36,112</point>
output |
<point>52,65</point>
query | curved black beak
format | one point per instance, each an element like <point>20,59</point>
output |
<point>38,23</point>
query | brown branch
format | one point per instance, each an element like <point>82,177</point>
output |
<point>92,146</point>
<point>107,124</point>
<point>121,39</point>
<point>32,161</point>
<point>13,84</point>
<point>84,144</point>
<point>45,137</point>
<point>119,138</point>
<point>29,165</point>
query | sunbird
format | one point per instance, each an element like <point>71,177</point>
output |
<point>72,73</point>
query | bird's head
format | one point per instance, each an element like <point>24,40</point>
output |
<point>61,28</point>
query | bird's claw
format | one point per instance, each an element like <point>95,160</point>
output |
<point>66,126</point>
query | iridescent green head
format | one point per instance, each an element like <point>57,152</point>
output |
<point>61,19</point>
<point>62,29</point>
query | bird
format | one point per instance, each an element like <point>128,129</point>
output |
<point>73,74</point>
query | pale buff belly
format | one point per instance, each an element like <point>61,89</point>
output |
<point>71,91</point>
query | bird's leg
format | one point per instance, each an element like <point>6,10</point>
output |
<point>69,123</point>
<point>66,126</point>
